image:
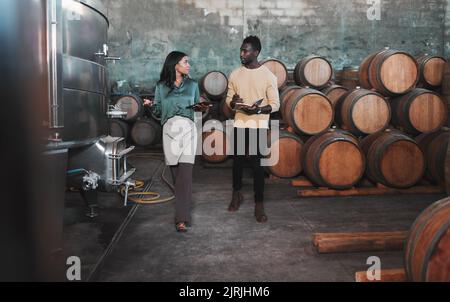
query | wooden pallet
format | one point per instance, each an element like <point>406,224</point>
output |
<point>386,275</point>
<point>308,190</point>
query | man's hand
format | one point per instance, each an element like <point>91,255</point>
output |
<point>250,110</point>
<point>257,110</point>
<point>236,99</point>
<point>148,102</point>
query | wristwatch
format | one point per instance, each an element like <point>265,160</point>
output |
<point>259,111</point>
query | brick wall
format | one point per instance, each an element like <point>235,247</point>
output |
<point>211,31</point>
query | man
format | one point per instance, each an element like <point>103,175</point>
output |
<point>248,85</point>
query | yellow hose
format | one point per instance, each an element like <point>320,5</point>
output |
<point>152,200</point>
<point>139,184</point>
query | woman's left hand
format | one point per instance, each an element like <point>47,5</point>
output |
<point>148,102</point>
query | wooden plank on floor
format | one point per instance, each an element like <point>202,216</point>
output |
<point>359,241</point>
<point>386,275</point>
<point>369,191</point>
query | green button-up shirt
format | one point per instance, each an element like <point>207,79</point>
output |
<point>171,102</point>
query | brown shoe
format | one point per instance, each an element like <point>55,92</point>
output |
<point>236,201</point>
<point>181,227</point>
<point>260,214</point>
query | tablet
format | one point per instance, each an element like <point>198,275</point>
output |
<point>206,103</point>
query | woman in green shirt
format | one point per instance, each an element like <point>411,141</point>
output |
<point>177,96</point>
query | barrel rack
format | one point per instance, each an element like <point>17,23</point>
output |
<point>307,189</point>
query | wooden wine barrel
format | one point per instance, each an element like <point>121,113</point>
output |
<point>226,112</point>
<point>118,128</point>
<point>363,112</point>
<point>434,146</point>
<point>308,111</point>
<point>287,148</point>
<point>334,92</point>
<point>393,159</point>
<point>278,69</point>
<point>445,88</point>
<point>313,71</point>
<point>132,104</point>
<point>447,170</point>
<point>427,252</point>
<point>337,76</point>
<point>363,73</point>
<point>350,77</point>
<point>333,159</point>
<point>447,124</point>
<point>290,77</point>
<point>431,70</point>
<point>146,132</point>
<point>419,111</point>
<point>285,94</point>
<point>214,84</point>
<point>390,72</point>
<point>216,143</point>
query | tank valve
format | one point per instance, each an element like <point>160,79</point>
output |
<point>128,184</point>
<point>55,138</point>
<point>90,181</point>
<point>104,53</point>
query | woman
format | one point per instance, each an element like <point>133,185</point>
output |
<point>176,98</point>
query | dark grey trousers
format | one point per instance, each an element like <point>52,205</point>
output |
<point>182,176</point>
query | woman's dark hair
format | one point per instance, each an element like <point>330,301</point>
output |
<point>168,74</point>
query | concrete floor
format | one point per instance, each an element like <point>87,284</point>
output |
<point>223,246</point>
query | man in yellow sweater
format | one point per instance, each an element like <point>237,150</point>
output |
<point>253,94</point>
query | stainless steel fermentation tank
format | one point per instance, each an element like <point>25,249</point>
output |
<point>77,39</point>
<point>77,36</point>
<point>54,55</point>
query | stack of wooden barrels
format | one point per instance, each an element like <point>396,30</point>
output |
<point>214,88</point>
<point>142,127</point>
<point>383,119</point>
<point>307,143</point>
<point>390,130</point>
<point>139,127</point>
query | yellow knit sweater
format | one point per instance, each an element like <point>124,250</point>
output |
<point>252,85</point>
